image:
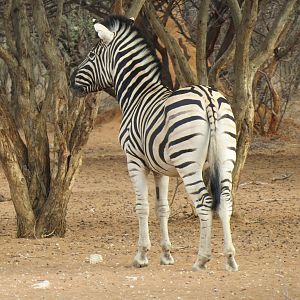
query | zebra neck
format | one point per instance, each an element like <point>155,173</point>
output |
<point>150,99</point>
<point>138,90</point>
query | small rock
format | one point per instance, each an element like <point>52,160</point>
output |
<point>95,259</point>
<point>131,278</point>
<point>42,284</point>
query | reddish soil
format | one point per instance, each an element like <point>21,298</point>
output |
<point>101,220</point>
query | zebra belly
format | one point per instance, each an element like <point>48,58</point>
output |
<point>168,170</point>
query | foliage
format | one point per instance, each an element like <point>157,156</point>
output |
<point>78,35</point>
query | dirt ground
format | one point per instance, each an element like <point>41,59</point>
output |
<point>101,220</point>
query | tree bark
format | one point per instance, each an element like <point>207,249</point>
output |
<point>135,8</point>
<point>201,62</point>
<point>181,66</point>
<point>117,8</point>
<point>13,157</point>
<point>242,101</point>
<point>53,217</point>
<point>245,70</point>
<point>40,194</point>
<point>269,44</point>
<point>243,145</point>
<point>243,84</point>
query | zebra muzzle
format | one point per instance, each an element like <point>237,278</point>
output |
<point>76,89</point>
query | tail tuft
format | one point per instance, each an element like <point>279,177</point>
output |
<point>215,186</point>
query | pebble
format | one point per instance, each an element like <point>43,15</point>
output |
<point>95,259</point>
<point>42,284</point>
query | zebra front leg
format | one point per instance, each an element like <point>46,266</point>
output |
<point>139,180</point>
<point>225,211</point>
<point>163,213</point>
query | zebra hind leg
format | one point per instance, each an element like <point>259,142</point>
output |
<point>225,211</point>
<point>198,193</point>
<point>163,213</point>
<point>139,181</point>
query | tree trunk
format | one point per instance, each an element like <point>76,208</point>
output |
<point>41,194</point>
<point>242,105</point>
<point>243,145</point>
<point>201,63</point>
<point>245,70</point>
<point>52,220</point>
<point>18,189</point>
<point>13,159</point>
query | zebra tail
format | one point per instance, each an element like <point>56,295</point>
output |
<point>215,186</point>
<point>214,178</point>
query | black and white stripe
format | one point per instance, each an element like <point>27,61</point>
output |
<point>168,132</point>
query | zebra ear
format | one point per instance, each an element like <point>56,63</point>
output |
<point>104,34</point>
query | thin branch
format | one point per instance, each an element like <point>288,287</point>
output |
<point>221,63</point>
<point>168,12</point>
<point>181,29</point>
<point>182,68</point>
<point>269,43</point>
<point>163,36</point>
<point>178,183</point>
<point>44,31</point>
<point>59,14</point>
<point>7,28</point>
<point>282,177</point>
<point>226,57</point>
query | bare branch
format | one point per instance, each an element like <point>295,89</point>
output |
<point>7,27</point>
<point>9,59</point>
<point>163,36</point>
<point>269,43</point>
<point>182,68</point>
<point>235,12</point>
<point>225,58</point>
<point>117,8</point>
<point>59,14</point>
<point>135,8</point>
<point>44,31</point>
<point>220,64</point>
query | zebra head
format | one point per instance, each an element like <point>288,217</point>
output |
<point>94,73</point>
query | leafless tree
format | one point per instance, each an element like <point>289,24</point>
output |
<point>40,160</point>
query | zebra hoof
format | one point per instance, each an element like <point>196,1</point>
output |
<point>166,258</point>
<point>197,267</point>
<point>140,261</point>
<point>200,263</point>
<point>231,265</point>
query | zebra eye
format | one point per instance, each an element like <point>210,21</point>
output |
<point>91,55</point>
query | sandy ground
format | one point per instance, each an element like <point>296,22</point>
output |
<point>101,220</point>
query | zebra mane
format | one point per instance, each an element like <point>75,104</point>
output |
<point>117,22</point>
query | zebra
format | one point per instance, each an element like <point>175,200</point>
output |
<point>168,132</point>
